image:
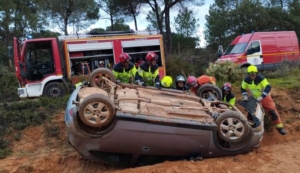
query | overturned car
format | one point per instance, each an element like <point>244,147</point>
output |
<point>124,124</point>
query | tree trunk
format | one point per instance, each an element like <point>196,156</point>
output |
<point>168,30</point>
<point>159,19</point>
<point>135,24</point>
<point>66,26</point>
<point>111,23</point>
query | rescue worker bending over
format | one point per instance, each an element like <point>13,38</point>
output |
<point>195,83</point>
<point>180,83</point>
<point>148,71</point>
<point>260,89</point>
<point>166,82</point>
<point>227,95</point>
<point>125,70</point>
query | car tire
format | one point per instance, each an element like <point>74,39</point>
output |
<point>232,127</point>
<point>92,116</point>
<point>209,87</point>
<point>54,89</point>
<point>93,79</point>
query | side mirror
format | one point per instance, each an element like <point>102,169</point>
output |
<point>220,51</point>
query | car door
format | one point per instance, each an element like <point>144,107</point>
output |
<point>254,53</point>
<point>19,64</point>
<point>167,140</point>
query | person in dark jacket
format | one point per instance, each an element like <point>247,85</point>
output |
<point>181,83</point>
<point>228,96</point>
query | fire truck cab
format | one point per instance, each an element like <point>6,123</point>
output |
<point>50,66</point>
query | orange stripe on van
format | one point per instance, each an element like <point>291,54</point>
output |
<point>268,54</point>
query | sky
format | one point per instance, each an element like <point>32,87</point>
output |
<point>142,23</point>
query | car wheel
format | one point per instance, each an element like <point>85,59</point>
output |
<point>95,77</point>
<point>232,127</point>
<point>54,89</point>
<point>97,111</point>
<point>205,90</point>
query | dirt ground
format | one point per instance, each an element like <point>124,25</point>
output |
<point>45,149</point>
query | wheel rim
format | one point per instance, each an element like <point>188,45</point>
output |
<point>54,92</point>
<point>96,113</point>
<point>232,128</point>
<point>99,82</point>
<point>207,95</point>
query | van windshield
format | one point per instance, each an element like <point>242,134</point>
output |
<point>236,48</point>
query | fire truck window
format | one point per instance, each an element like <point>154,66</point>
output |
<point>138,54</point>
<point>39,60</point>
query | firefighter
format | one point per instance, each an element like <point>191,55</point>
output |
<point>227,95</point>
<point>260,88</point>
<point>101,64</point>
<point>166,82</point>
<point>125,70</point>
<point>181,83</point>
<point>148,71</point>
<point>195,83</point>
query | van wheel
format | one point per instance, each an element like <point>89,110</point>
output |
<point>54,89</point>
<point>210,92</point>
<point>97,111</point>
<point>232,127</point>
<point>95,77</point>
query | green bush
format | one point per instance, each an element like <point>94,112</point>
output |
<point>9,84</point>
<point>226,72</point>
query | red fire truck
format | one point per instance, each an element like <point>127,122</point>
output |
<point>51,66</point>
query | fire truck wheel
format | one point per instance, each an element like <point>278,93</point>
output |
<point>210,92</point>
<point>95,80</point>
<point>97,111</point>
<point>54,89</point>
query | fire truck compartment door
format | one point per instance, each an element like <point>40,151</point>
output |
<point>140,43</point>
<point>89,46</point>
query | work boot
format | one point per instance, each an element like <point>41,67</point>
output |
<point>281,131</point>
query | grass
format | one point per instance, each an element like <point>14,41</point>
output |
<point>291,82</point>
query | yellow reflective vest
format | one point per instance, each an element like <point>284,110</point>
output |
<point>229,98</point>
<point>125,74</point>
<point>258,87</point>
<point>78,84</point>
<point>149,74</point>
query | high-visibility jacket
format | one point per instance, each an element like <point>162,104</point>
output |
<point>78,84</point>
<point>148,74</point>
<point>125,74</point>
<point>229,98</point>
<point>258,87</point>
